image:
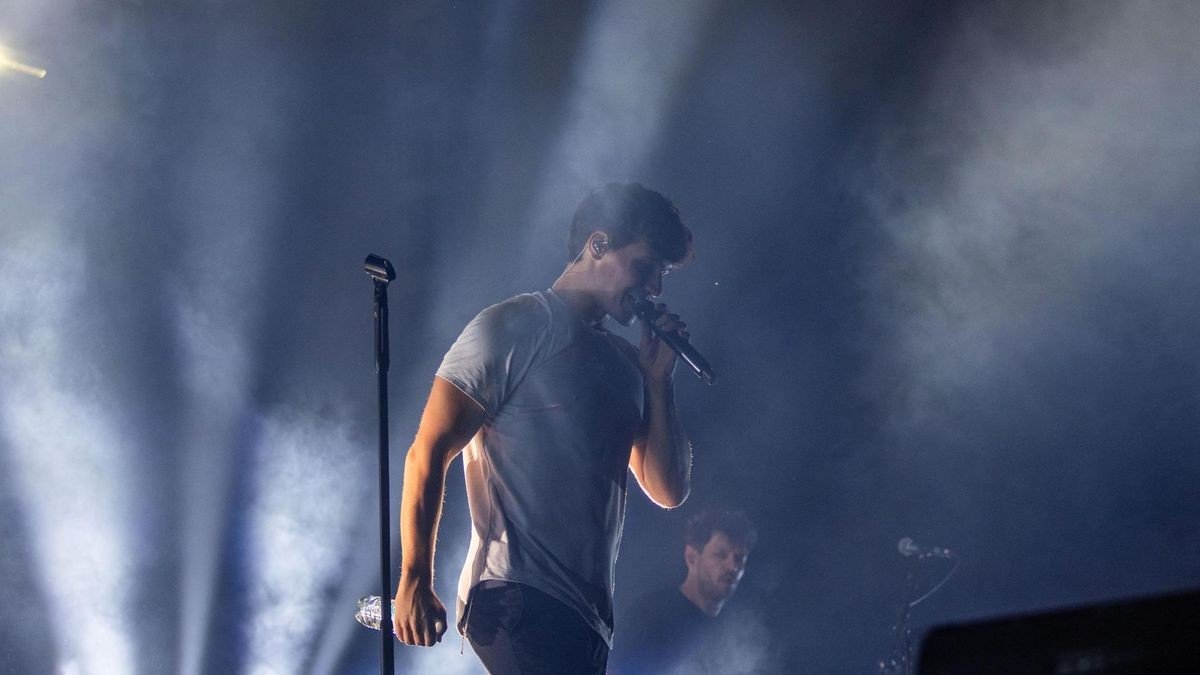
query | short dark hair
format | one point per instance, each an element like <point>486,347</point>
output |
<point>629,213</point>
<point>735,524</point>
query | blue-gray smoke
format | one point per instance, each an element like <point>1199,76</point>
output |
<point>944,268</point>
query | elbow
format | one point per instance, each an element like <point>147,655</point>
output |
<point>429,456</point>
<point>673,496</point>
<point>673,502</point>
<point>667,484</point>
<point>426,460</point>
<point>419,457</point>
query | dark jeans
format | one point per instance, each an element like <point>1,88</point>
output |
<point>518,630</point>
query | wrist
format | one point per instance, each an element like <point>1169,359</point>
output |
<point>662,387</point>
<point>416,577</point>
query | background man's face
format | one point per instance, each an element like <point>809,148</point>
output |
<point>718,567</point>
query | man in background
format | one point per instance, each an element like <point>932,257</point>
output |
<point>667,627</point>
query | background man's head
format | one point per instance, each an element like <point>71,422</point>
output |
<point>717,544</point>
<point>628,213</point>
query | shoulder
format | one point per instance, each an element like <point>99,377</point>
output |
<point>519,309</point>
<point>522,315</point>
<point>661,629</point>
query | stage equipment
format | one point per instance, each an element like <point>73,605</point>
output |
<point>1149,635</point>
<point>381,272</point>
<point>648,314</point>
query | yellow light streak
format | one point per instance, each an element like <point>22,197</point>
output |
<point>8,62</point>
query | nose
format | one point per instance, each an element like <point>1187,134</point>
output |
<point>654,286</point>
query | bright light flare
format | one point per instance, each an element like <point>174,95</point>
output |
<point>8,62</point>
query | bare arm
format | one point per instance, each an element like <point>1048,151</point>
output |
<point>450,420</point>
<point>661,459</point>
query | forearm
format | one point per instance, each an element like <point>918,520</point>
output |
<point>420,512</point>
<point>667,455</point>
<point>449,421</point>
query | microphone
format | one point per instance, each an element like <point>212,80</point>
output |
<point>648,313</point>
<point>379,269</point>
<point>908,547</point>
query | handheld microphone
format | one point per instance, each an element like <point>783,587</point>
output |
<point>908,547</point>
<point>647,313</point>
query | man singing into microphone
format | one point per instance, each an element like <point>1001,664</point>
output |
<point>551,409</point>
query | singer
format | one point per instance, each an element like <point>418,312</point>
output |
<point>552,409</point>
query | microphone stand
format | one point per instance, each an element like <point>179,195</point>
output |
<point>381,272</point>
<point>901,661</point>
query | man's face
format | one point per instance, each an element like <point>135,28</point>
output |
<point>629,273</point>
<point>718,567</point>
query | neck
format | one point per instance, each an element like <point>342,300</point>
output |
<point>570,287</point>
<point>691,591</point>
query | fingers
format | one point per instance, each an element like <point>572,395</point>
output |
<point>657,359</point>
<point>434,629</point>
<point>423,627</point>
<point>669,323</point>
<point>425,634</point>
<point>403,630</point>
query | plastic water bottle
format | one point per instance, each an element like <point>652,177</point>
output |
<point>370,612</point>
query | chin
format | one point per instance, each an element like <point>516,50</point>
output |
<point>624,314</point>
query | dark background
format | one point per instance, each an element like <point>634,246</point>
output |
<point>945,268</point>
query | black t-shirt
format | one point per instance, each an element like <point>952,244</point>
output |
<point>661,630</point>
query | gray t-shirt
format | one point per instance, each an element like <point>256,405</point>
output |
<point>546,474</point>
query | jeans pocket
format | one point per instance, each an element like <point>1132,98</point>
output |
<point>514,605</point>
<point>492,610</point>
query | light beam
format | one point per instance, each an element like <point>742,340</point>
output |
<point>71,468</point>
<point>10,63</point>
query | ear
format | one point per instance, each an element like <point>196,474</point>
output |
<point>598,244</point>
<point>690,554</point>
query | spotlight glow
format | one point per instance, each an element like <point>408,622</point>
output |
<point>219,295</point>
<point>212,322</point>
<point>70,468</point>
<point>633,58</point>
<point>216,360</point>
<point>313,481</point>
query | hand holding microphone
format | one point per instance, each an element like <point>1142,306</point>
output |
<point>650,316</point>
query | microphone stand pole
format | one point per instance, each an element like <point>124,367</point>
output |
<point>901,661</point>
<point>381,272</point>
